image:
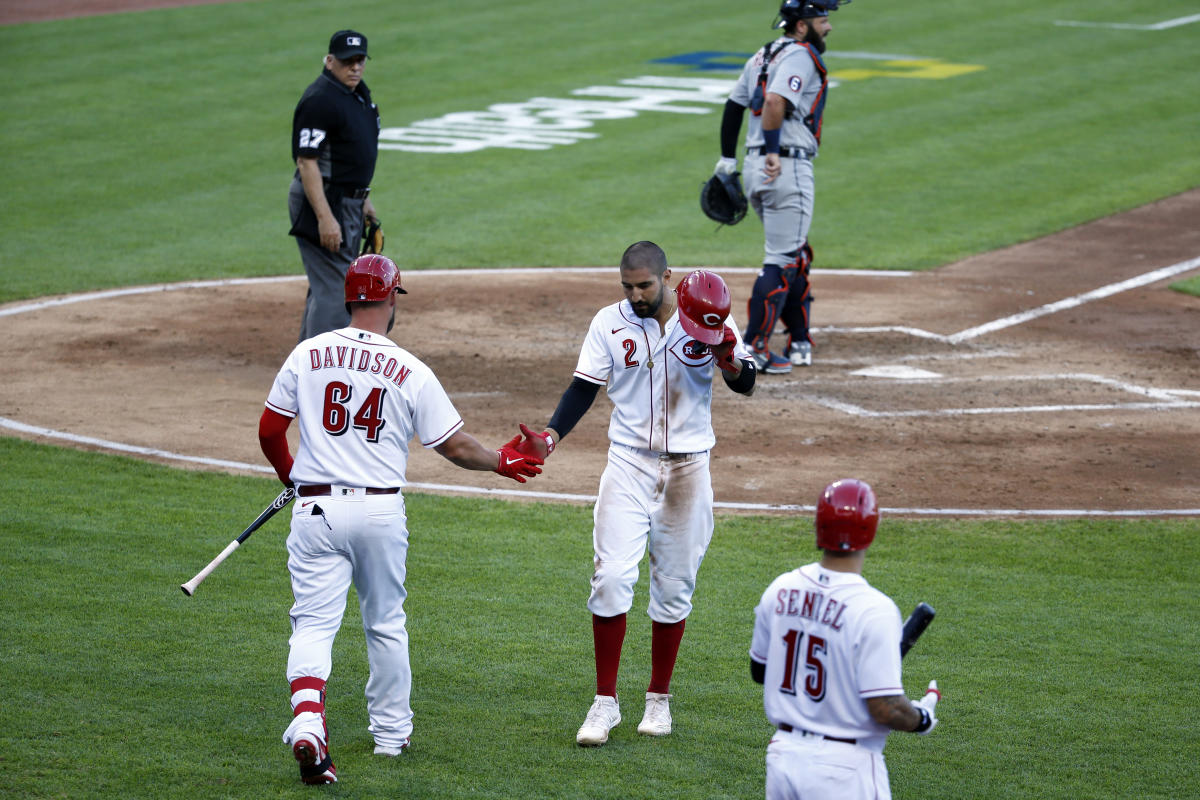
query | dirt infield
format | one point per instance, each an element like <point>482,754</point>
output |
<point>1094,406</point>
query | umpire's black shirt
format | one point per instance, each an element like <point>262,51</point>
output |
<point>338,127</point>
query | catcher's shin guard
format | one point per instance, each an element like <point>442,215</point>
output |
<point>766,301</point>
<point>795,311</point>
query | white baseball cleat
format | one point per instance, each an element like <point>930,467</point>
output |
<point>657,720</point>
<point>389,750</point>
<point>800,354</point>
<point>602,717</point>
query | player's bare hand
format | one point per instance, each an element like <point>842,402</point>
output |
<point>331,233</point>
<point>535,444</point>
<point>772,166</point>
<point>517,465</point>
<point>723,352</point>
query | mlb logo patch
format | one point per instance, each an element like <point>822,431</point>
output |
<point>354,41</point>
<point>794,83</point>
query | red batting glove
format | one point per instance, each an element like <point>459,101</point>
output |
<point>515,464</point>
<point>723,352</point>
<point>536,444</point>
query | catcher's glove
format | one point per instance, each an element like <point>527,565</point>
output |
<point>372,236</point>
<point>722,198</point>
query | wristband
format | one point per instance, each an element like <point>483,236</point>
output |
<point>771,140</point>
<point>925,723</point>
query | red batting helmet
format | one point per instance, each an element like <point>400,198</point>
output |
<point>372,278</point>
<point>703,306</point>
<point>847,516</point>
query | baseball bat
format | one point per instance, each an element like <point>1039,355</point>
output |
<point>278,503</point>
<point>914,626</point>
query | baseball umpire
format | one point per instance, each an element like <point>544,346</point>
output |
<point>335,140</point>
<point>359,399</point>
<point>826,647</point>
<point>656,352</point>
<point>784,85</point>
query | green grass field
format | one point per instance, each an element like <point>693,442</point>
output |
<point>150,147</point>
<point>1066,651</point>
<point>146,147</point>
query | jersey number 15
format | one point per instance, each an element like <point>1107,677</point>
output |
<point>814,680</point>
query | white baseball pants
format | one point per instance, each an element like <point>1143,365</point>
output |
<point>363,540</point>
<point>659,502</point>
<point>813,768</point>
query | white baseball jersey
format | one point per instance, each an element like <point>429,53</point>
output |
<point>360,398</point>
<point>792,75</point>
<point>659,381</point>
<point>829,641</point>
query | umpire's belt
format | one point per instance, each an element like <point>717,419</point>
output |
<point>784,152</point>
<point>788,729</point>
<point>351,193</point>
<point>324,490</point>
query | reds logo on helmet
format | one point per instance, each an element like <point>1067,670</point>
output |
<point>372,278</point>
<point>847,516</point>
<point>703,306</point>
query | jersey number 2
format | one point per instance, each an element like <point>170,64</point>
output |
<point>814,681</point>
<point>368,418</point>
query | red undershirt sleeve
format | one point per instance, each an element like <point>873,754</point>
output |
<point>272,438</point>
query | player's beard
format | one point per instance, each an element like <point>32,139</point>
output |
<point>650,309</point>
<point>815,39</point>
<point>391,320</point>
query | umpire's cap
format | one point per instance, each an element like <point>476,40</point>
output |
<point>344,45</point>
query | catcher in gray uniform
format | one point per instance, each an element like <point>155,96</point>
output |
<point>784,86</point>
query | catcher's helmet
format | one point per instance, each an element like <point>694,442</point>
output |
<point>703,306</point>
<point>847,516</point>
<point>372,278</point>
<point>792,10</point>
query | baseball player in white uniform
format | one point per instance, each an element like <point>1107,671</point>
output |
<point>656,351</point>
<point>359,398</point>
<point>784,85</point>
<point>826,648</point>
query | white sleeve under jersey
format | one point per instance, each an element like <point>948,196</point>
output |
<point>360,398</point>
<point>829,641</point>
<point>660,383</point>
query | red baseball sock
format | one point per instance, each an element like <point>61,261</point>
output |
<point>608,633</point>
<point>664,648</point>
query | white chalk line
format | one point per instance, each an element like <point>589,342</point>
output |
<point>1025,316</point>
<point>1161,399</point>
<point>38,305</point>
<point>1130,26</point>
<point>555,497</point>
<point>1071,302</point>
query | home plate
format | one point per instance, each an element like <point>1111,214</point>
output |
<point>899,371</point>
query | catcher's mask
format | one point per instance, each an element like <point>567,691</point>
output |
<point>793,10</point>
<point>847,516</point>
<point>703,306</point>
<point>372,278</point>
